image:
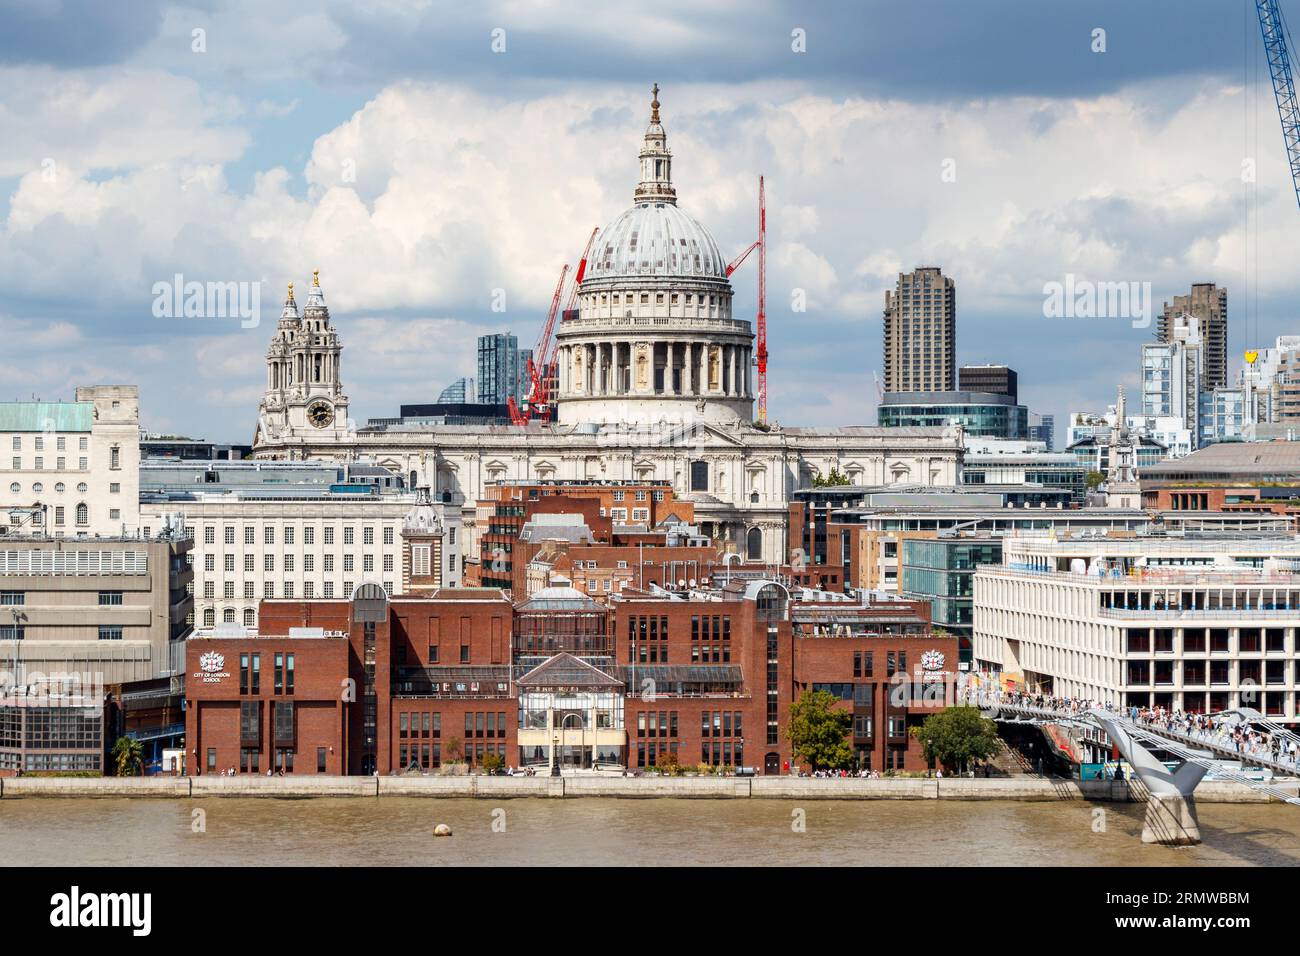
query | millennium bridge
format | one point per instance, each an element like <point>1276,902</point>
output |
<point>1171,810</point>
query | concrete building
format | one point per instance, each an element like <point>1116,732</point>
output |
<point>920,332</point>
<point>1207,304</point>
<point>1240,477</point>
<point>991,461</point>
<point>273,530</point>
<point>859,538</point>
<point>1173,377</point>
<point>654,385</point>
<point>1042,428</point>
<point>70,468</point>
<point>995,379</point>
<point>108,610</point>
<point>1194,623</point>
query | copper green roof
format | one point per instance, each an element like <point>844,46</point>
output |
<point>46,416</point>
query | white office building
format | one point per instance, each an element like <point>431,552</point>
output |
<point>1201,623</point>
<point>269,530</point>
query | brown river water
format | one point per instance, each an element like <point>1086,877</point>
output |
<point>399,832</point>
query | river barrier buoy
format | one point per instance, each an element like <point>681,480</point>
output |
<point>442,830</point>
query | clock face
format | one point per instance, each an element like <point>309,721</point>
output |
<point>320,414</point>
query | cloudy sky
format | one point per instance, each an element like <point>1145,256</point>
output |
<point>389,145</point>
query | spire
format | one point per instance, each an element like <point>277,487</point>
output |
<point>316,296</point>
<point>290,311</point>
<point>656,160</point>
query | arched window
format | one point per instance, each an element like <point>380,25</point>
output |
<point>83,514</point>
<point>754,544</point>
<point>248,616</point>
<point>209,617</point>
<point>228,615</point>
<point>414,478</point>
<point>771,601</point>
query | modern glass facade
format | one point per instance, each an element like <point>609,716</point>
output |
<point>942,571</point>
<point>1050,470</point>
<point>979,413</point>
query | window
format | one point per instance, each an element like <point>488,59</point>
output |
<point>110,632</point>
<point>367,535</point>
<point>110,598</point>
<point>115,458</point>
<point>329,535</point>
<point>114,488</point>
<point>288,535</point>
<point>13,597</point>
<point>83,514</point>
<point>268,535</point>
<point>699,476</point>
<point>308,535</point>
<point>250,535</point>
<point>388,536</point>
<point>230,535</point>
<point>209,536</point>
<point>320,759</point>
<point>349,536</point>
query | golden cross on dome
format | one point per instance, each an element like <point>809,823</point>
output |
<point>290,291</point>
<point>654,104</point>
<point>315,278</point>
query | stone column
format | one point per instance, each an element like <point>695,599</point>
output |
<point>686,369</point>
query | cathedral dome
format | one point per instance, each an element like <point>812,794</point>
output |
<point>655,239</point>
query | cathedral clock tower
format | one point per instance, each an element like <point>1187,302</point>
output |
<point>304,402</point>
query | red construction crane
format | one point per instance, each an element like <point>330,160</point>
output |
<point>535,398</point>
<point>760,352</point>
<point>582,271</point>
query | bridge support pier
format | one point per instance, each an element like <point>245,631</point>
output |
<point>1171,820</point>
<point>1171,809</point>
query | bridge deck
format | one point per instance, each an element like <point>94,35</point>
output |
<point>1186,743</point>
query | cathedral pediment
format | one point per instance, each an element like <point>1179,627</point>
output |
<point>697,435</point>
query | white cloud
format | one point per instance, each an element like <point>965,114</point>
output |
<point>458,192</point>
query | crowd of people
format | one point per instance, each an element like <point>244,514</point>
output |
<point>1220,730</point>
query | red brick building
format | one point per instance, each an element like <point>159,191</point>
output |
<point>379,685</point>
<point>507,506</point>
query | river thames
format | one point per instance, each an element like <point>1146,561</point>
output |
<point>398,831</point>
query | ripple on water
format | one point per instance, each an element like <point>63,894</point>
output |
<point>399,831</point>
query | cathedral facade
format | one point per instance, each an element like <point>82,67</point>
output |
<point>655,384</point>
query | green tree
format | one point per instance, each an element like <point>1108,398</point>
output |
<point>128,757</point>
<point>1093,479</point>
<point>834,479</point>
<point>492,763</point>
<point>818,730</point>
<point>454,752</point>
<point>956,736</point>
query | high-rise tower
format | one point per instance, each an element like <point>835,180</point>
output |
<point>1208,304</point>
<point>921,332</point>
